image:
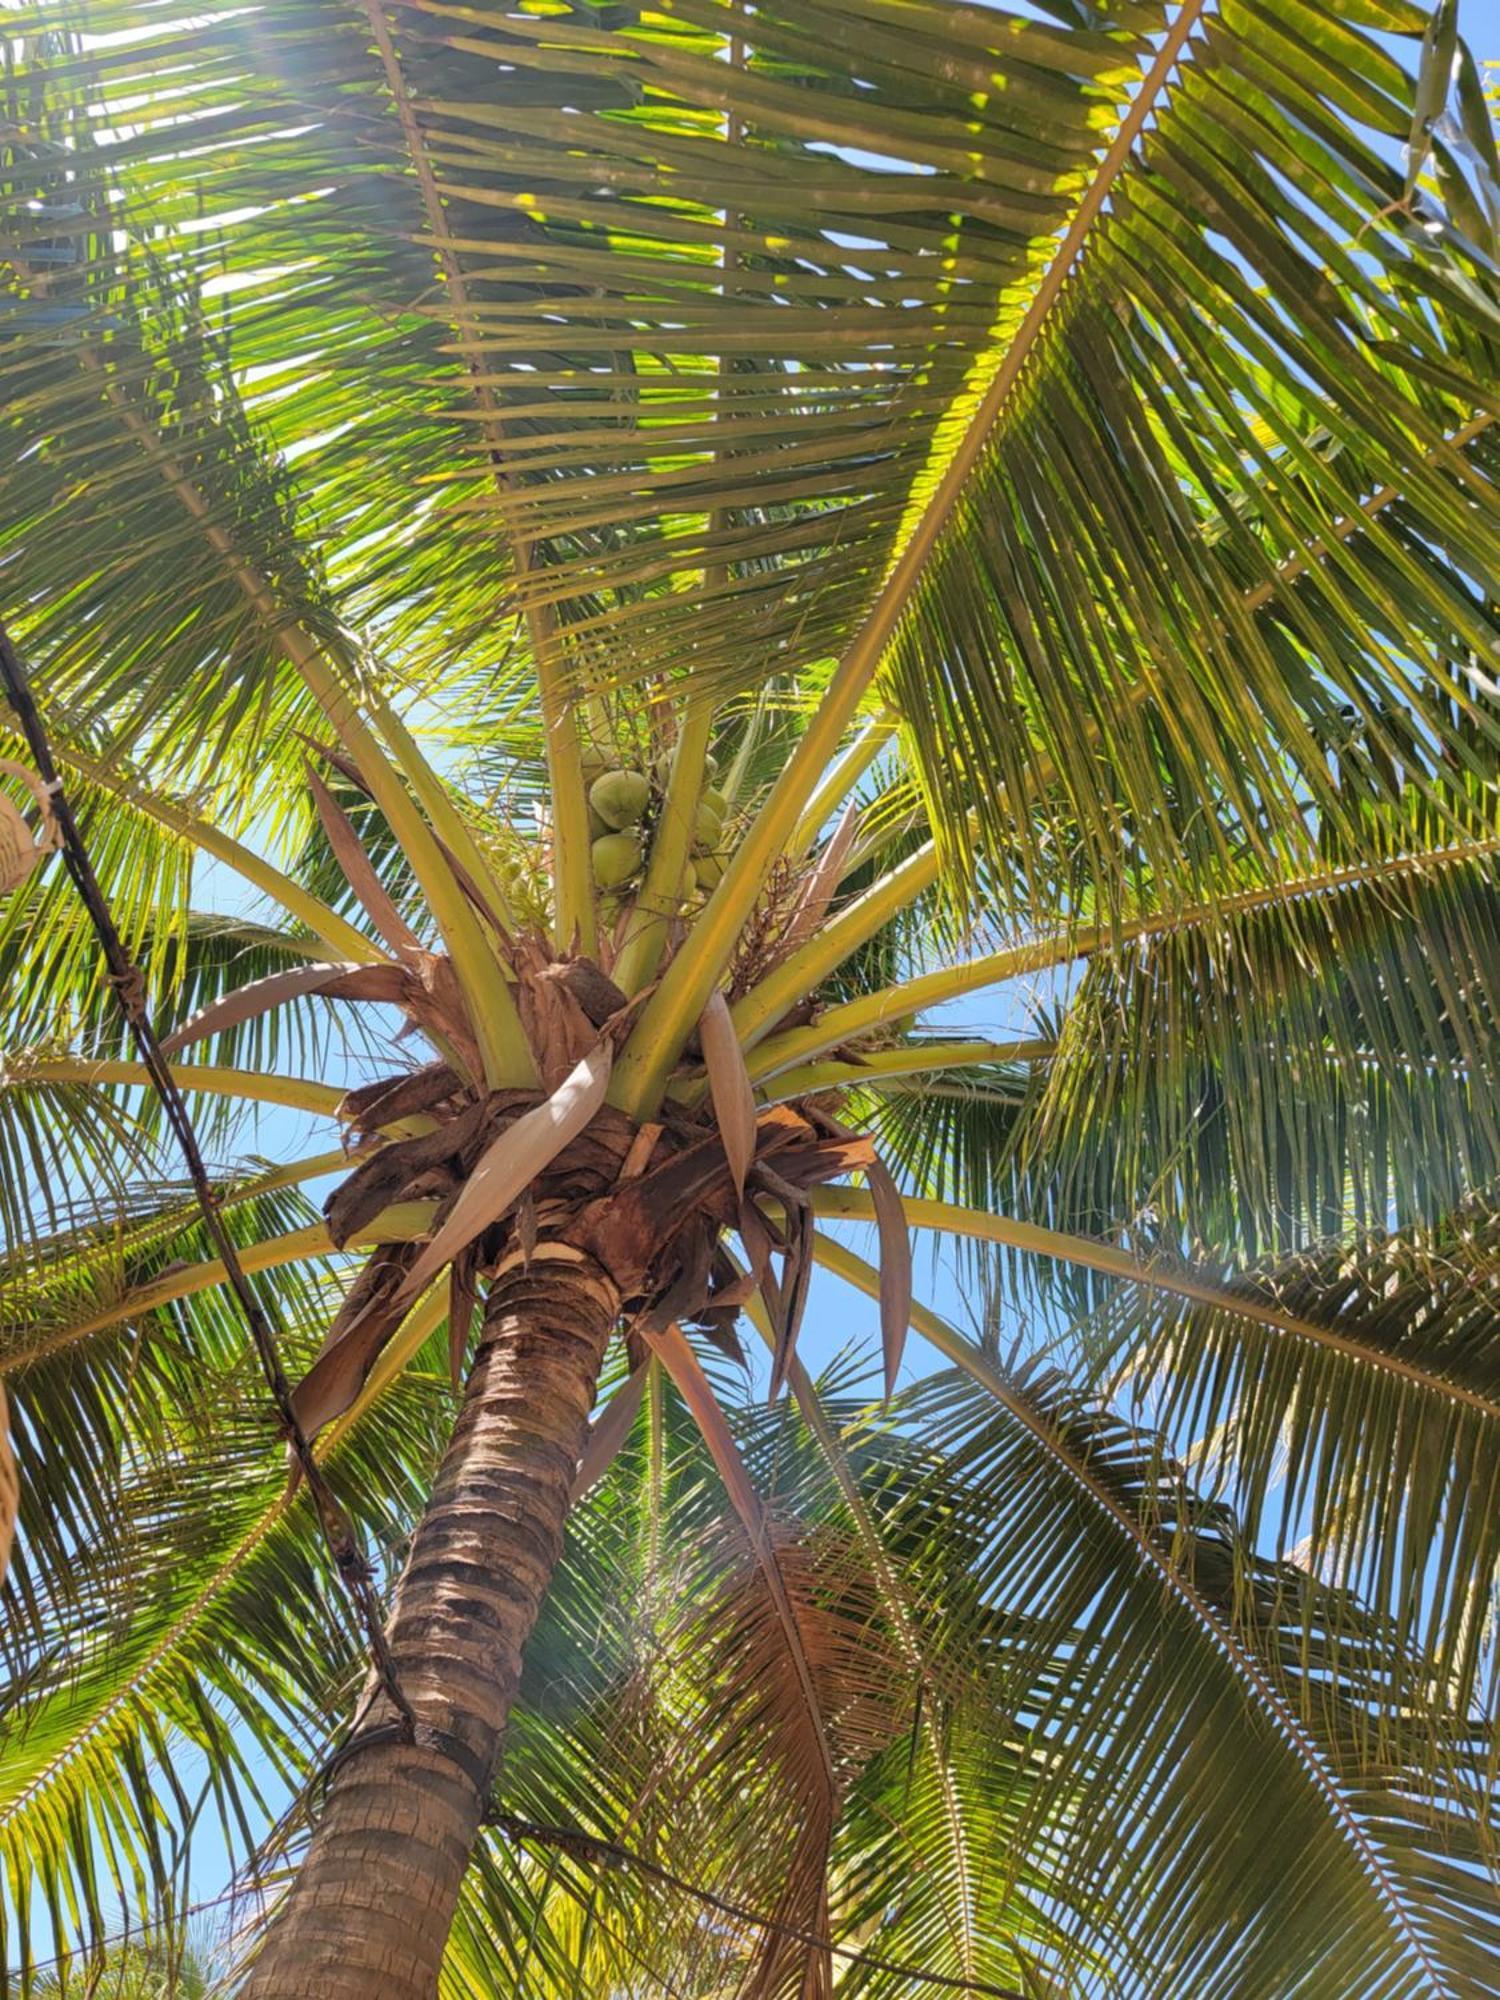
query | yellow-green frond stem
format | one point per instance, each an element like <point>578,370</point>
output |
<point>893,1003</point>
<point>504,1049</point>
<point>572,876</point>
<point>807,967</point>
<point>497,1025</point>
<point>101,1255</point>
<point>339,938</point>
<point>931,989</point>
<point>883,1066</point>
<point>842,779</point>
<point>298,1093</point>
<point>312,1168</point>
<point>669,1016</point>
<point>855,1205</point>
<point>661,892</point>
<point>573,899</point>
<point>667,1020</point>
<point>402,1222</point>
<point>448,822</point>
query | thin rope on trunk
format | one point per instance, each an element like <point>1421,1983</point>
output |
<point>129,985</point>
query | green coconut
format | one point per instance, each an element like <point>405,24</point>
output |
<point>661,766</point>
<point>598,825</point>
<point>709,869</point>
<point>594,757</point>
<point>707,826</point>
<point>620,797</point>
<point>616,856</point>
<point>715,801</point>
<point>690,878</point>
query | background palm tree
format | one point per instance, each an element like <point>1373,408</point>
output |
<point>137,1972</point>
<point>654,550</point>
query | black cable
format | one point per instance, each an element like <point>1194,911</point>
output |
<point>130,991</point>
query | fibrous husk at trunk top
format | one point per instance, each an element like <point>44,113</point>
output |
<point>432,1160</point>
<point>10,1487</point>
<point>373,1107</point>
<point>513,1161</point>
<point>503,1174</point>
<point>563,1004</point>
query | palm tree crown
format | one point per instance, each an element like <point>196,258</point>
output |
<point>594,573</point>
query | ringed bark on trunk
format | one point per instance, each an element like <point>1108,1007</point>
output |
<point>372,1904</point>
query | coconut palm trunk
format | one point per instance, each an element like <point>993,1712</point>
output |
<point>372,1905</point>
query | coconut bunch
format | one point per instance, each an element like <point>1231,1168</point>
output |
<point>626,802</point>
<point>451,1175</point>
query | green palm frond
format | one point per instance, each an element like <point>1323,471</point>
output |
<point>68,1154</point>
<point>954,1132</point>
<point>1287,1074</point>
<point>1288,1428</point>
<point>620,1679</point>
<point>144,411</point>
<point>89,1417</point>
<point>214,1628</point>
<point>1200,1676</point>
<point>1237,522</point>
<point>835,374</point>
<point>1156,1675</point>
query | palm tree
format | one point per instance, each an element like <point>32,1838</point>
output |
<point>139,1972</point>
<point>651,552</point>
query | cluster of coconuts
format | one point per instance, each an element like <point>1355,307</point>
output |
<point>706,863</point>
<point>617,804</point>
<point>619,800</point>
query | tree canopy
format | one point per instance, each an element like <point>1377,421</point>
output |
<point>1031,479</point>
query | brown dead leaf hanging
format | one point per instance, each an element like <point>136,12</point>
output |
<point>895,1269</point>
<point>384,983</point>
<point>609,1432</point>
<point>20,848</point>
<point>729,1087</point>
<point>359,870</point>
